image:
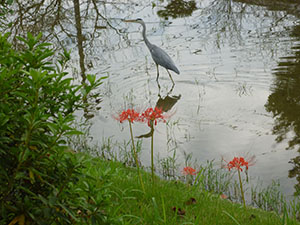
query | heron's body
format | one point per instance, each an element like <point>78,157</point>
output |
<point>159,56</point>
<point>163,59</point>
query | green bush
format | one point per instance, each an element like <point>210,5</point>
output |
<point>38,174</point>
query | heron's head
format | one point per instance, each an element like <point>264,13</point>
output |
<point>138,20</point>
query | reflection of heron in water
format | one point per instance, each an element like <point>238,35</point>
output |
<point>165,104</point>
<point>159,56</point>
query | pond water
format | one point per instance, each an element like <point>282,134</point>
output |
<point>237,92</point>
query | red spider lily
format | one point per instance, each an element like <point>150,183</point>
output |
<point>153,115</point>
<point>237,163</point>
<point>189,171</point>
<point>129,114</point>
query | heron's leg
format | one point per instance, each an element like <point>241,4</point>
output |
<point>158,85</point>
<point>157,71</point>
<point>171,89</point>
<point>170,77</point>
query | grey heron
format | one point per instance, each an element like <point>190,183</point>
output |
<point>159,56</point>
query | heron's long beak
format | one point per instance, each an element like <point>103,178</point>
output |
<point>129,21</point>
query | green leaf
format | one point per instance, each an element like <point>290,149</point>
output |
<point>21,39</point>
<point>42,45</point>
<point>91,78</point>
<point>3,119</point>
<point>39,36</point>
<point>53,127</point>
<point>20,175</point>
<point>45,55</point>
<point>44,200</point>
<point>66,81</point>
<point>74,132</point>
<point>70,213</point>
<point>27,191</point>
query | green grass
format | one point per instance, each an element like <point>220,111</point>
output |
<point>164,201</point>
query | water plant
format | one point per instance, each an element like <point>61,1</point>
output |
<point>168,166</point>
<point>269,198</point>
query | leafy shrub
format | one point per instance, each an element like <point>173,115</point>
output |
<point>39,176</point>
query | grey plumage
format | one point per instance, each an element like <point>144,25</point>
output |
<point>159,56</point>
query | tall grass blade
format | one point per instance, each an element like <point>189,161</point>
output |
<point>231,217</point>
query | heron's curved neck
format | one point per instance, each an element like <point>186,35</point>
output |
<point>149,45</point>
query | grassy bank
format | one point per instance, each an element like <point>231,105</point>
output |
<point>166,202</point>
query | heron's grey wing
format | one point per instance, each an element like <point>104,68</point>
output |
<point>163,59</point>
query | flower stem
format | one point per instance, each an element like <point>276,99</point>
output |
<point>241,186</point>
<point>136,157</point>
<point>152,163</point>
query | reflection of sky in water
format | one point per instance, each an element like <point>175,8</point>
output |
<point>226,52</point>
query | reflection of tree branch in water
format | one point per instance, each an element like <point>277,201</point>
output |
<point>295,172</point>
<point>234,23</point>
<point>105,19</point>
<point>178,8</point>
<point>284,103</point>
<point>56,20</point>
<point>290,6</point>
<point>79,40</point>
<point>47,16</point>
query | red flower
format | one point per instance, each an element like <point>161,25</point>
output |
<point>237,163</point>
<point>153,115</point>
<point>189,171</point>
<point>129,114</point>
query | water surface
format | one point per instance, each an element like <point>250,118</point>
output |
<point>238,91</point>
